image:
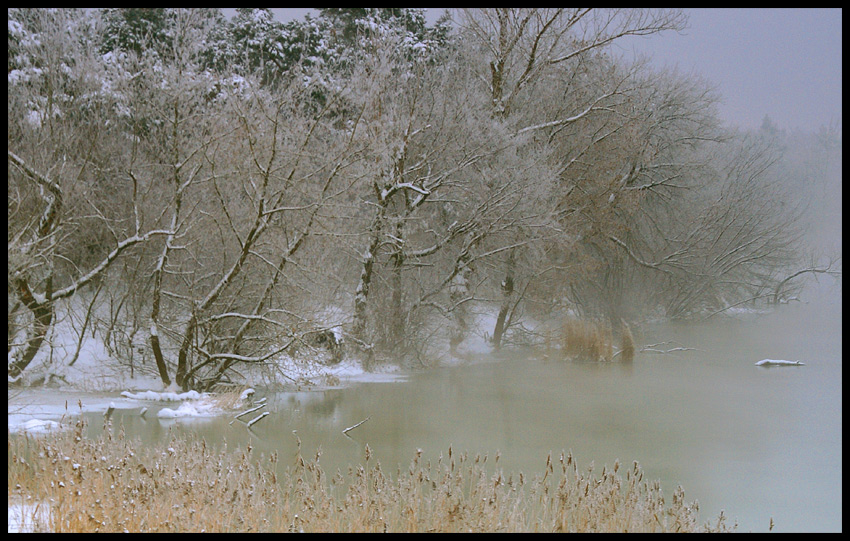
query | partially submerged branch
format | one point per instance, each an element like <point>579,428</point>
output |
<point>258,418</point>
<point>352,427</point>
<point>652,348</point>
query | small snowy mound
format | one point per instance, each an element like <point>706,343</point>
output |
<point>193,403</point>
<point>200,408</point>
<point>776,362</point>
<point>164,396</point>
<point>37,426</point>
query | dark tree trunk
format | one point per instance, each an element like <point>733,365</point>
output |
<point>507,298</point>
<point>397,322</point>
<point>42,318</point>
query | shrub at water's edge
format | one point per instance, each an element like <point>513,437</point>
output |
<point>592,340</point>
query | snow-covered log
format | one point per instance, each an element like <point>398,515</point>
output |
<point>776,362</point>
<point>258,417</point>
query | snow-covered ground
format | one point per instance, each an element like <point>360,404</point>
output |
<point>40,409</point>
<point>26,517</point>
<point>96,381</point>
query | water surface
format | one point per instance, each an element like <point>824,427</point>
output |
<point>756,442</point>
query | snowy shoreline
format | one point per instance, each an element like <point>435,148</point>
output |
<point>97,381</point>
<point>36,410</point>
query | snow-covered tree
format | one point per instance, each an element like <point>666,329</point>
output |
<point>224,183</point>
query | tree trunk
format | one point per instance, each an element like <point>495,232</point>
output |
<point>160,361</point>
<point>361,295</point>
<point>12,325</point>
<point>458,293</point>
<point>42,318</point>
<point>507,298</point>
<point>397,321</point>
<point>183,368</point>
<point>154,332</point>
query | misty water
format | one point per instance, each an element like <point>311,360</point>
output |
<point>757,442</point>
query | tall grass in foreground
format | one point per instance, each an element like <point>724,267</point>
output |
<point>116,484</point>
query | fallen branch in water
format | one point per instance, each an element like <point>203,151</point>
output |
<point>355,426</point>
<point>650,348</point>
<point>258,417</point>
<point>247,411</point>
<point>775,362</point>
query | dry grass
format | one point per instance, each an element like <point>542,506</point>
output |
<point>591,340</point>
<point>586,340</point>
<point>627,343</point>
<point>116,484</point>
<point>229,400</point>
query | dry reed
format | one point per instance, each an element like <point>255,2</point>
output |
<point>627,343</point>
<point>591,340</point>
<point>231,399</point>
<point>115,484</point>
<point>586,340</point>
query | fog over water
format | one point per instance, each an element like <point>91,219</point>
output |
<point>755,442</point>
<point>762,444</point>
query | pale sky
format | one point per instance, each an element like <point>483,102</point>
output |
<point>780,62</point>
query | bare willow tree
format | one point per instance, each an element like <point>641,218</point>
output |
<point>521,44</point>
<point>642,155</point>
<point>522,54</point>
<point>432,210</point>
<point>424,137</point>
<point>61,140</point>
<point>294,166</point>
<point>724,239</point>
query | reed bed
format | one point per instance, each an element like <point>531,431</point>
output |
<point>591,340</point>
<point>627,341</point>
<point>587,340</point>
<point>232,399</point>
<point>115,484</point>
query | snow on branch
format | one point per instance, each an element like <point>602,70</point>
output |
<point>352,427</point>
<point>31,173</point>
<point>569,120</point>
<point>112,256</point>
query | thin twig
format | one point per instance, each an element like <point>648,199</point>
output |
<point>355,426</point>
<point>650,348</point>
